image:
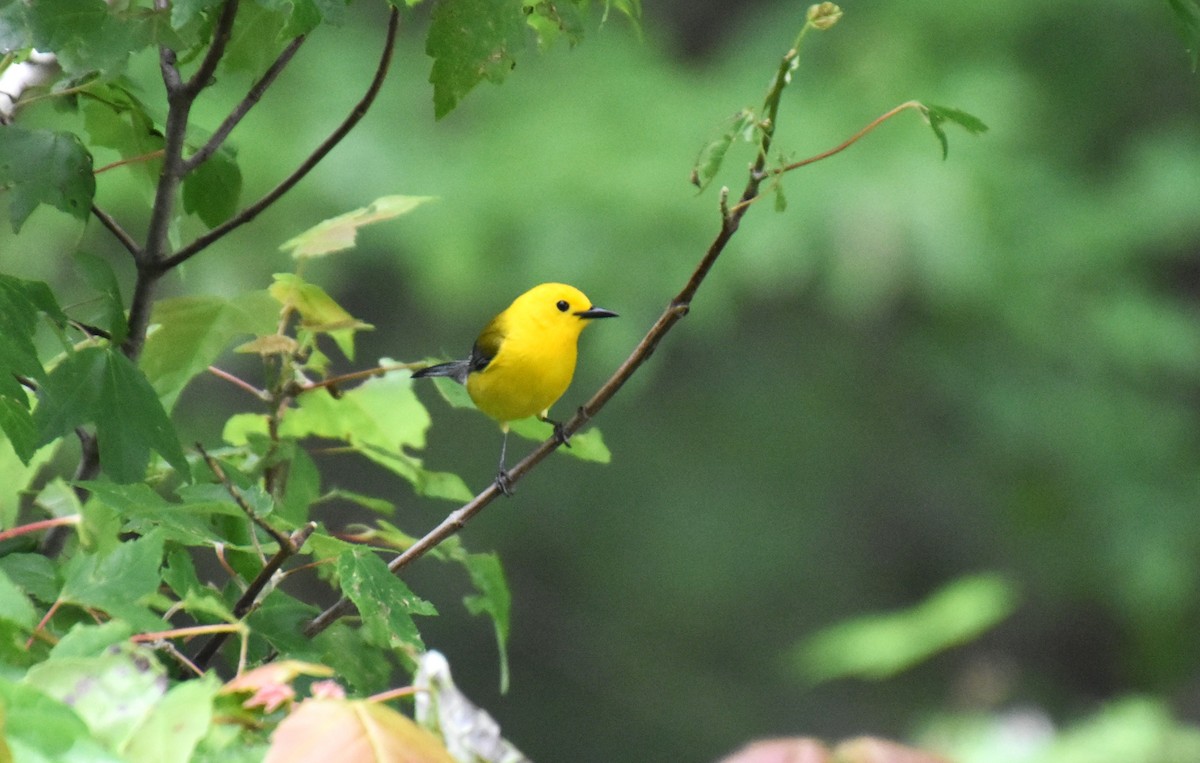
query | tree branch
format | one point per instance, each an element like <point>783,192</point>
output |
<point>108,221</point>
<point>252,211</point>
<point>253,95</point>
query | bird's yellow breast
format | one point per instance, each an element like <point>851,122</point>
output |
<point>534,361</point>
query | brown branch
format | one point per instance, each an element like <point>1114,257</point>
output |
<point>240,499</point>
<point>252,211</point>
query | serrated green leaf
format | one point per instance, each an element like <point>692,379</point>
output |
<point>172,728</point>
<point>87,640</point>
<point>318,311</point>
<point>130,421</point>
<point>212,190</point>
<point>551,20</point>
<point>493,599</point>
<point>586,446</point>
<point>469,41</point>
<point>880,646</point>
<point>36,574</point>
<point>113,582</point>
<point>112,692</point>
<point>339,233</point>
<point>192,332</point>
<point>45,729</point>
<point>88,35</point>
<point>712,155</point>
<point>385,603</point>
<point>15,606</point>
<point>99,275</point>
<point>938,115</point>
<point>45,167</point>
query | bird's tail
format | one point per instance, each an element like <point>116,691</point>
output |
<point>455,369</point>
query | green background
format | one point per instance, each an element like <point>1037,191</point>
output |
<point>923,369</point>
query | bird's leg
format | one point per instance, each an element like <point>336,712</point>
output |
<point>502,479</point>
<point>560,434</point>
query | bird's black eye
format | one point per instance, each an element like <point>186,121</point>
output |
<point>563,305</point>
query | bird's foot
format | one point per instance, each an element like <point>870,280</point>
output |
<point>504,483</point>
<point>560,432</point>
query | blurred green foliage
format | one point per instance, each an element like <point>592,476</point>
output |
<point>921,370</point>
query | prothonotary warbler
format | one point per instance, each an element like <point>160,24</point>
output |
<point>524,359</point>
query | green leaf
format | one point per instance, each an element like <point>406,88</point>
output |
<point>116,118</point>
<point>318,311</point>
<point>40,728</point>
<point>183,12</point>
<point>712,155</point>
<point>112,692</point>
<point>339,233</point>
<point>191,333</point>
<point>212,190</point>
<point>551,20</point>
<point>87,640</point>
<point>173,727</point>
<point>45,167</point>
<point>385,603</point>
<point>381,418</point>
<point>88,35</point>
<point>880,646</point>
<point>15,606</point>
<point>1187,20</point>
<point>493,599</point>
<point>34,573</point>
<point>99,275</point>
<point>471,40</point>
<point>586,446</point>
<point>114,582</point>
<point>130,421</point>
<point>939,115</point>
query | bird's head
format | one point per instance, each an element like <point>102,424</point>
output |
<point>559,307</point>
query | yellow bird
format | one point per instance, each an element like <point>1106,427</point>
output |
<point>524,359</point>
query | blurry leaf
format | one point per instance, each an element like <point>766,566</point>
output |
<point>184,12</point>
<point>352,731</point>
<point>191,332</point>
<point>938,115</point>
<point>44,167</point>
<point>45,729</point>
<point>469,732</point>
<point>87,640</point>
<point>550,20</point>
<point>114,582</point>
<point>880,646</point>
<point>378,505</point>
<point>318,311</point>
<point>103,386</point>
<point>257,38</point>
<point>99,275</point>
<point>493,599</point>
<point>470,40</point>
<point>586,446</point>
<point>272,677</point>
<point>1187,19</point>
<point>269,344</point>
<point>338,233</point>
<point>115,118</point>
<point>170,732</point>
<point>385,603</point>
<point>212,190</point>
<point>708,163</point>
<point>15,606</point>
<point>113,692</point>
<point>22,306</point>
<point>34,573</point>
<point>780,199</point>
<point>87,35</point>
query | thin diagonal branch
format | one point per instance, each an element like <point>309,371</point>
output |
<point>203,75</point>
<point>114,227</point>
<point>252,211</point>
<point>253,95</point>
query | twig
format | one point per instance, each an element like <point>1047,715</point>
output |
<point>240,383</point>
<point>240,499</point>
<point>249,597</point>
<point>108,221</point>
<point>252,211</point>
<point>253,95</point>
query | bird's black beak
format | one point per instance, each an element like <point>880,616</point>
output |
<point>595,312</point>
